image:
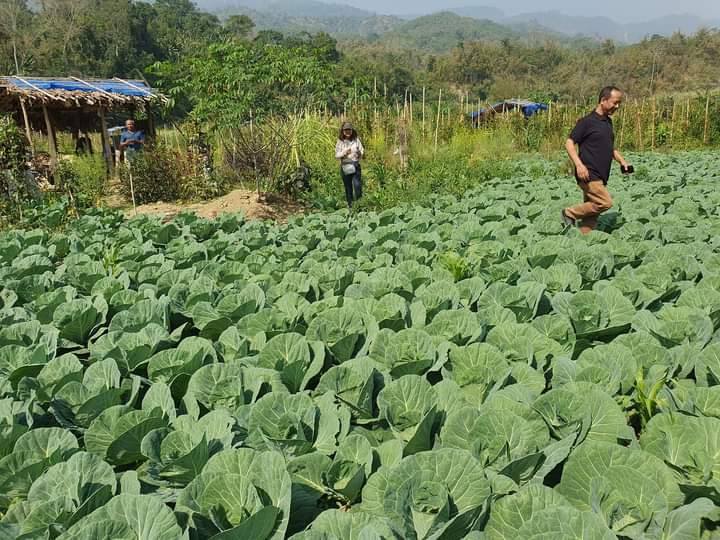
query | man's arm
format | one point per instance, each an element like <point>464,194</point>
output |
<point>582,171</point>
<point>617,156</point>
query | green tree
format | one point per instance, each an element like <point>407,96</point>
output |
<point>16,34</point>
<point>61,23</point>
<point>239,26</point>
<point>179,28</point>
<point>234,81</point>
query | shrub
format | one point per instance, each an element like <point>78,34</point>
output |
<point>198,179</point>
<point>152,176</point>
<point>84,178</point>
<point>15,185</point>
<point>165,174</point>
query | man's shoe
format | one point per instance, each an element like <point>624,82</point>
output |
<point>567,221</point>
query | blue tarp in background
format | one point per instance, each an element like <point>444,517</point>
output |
<point>528,108</point>
<point>533,108</point>
<point>110,86</point>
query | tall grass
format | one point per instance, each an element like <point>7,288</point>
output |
<point>415,149</point>
<point>407,158</point>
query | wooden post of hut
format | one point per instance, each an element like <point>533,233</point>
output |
<point>52,140</point>
<point>26,121</point>
<point>151,124</point>
<point>105,138</point>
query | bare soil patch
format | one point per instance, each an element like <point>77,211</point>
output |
<point>265,206</point>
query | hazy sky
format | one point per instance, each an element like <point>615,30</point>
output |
<point>620,10</point>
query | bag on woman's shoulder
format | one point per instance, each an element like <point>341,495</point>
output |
<point>348,168</point>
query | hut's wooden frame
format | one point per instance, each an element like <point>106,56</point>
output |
<point>28,98</point>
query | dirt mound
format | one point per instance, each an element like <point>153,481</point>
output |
<point>266,206</point>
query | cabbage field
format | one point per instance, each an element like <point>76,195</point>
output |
<point>464,369</point>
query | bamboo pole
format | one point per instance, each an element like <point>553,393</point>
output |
<point>28,132</point>
<point>707,118</point>
<point>178,146</point>
<point>437,121</point>
<point>405,104</point>
<point>423,113</point>
<point>549,113</point>
<point>411,109</point>
<point>672,122</point>
<point>132,190</point>
<point>40,90</point>
<point>641,110</point>
<point>622,127</point>
<point>652,128</point>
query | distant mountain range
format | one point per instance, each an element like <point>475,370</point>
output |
<point>434,32</point>
<point>441,32</point>
<point>605,28</point>
<point>337,20</point>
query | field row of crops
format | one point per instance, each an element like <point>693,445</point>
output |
<point>465,369</point>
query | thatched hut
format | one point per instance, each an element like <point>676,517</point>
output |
<point>80,105</point>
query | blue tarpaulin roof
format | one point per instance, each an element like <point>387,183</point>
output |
<point>129,88</point>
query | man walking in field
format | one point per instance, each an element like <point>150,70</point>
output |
<point>594,136</point>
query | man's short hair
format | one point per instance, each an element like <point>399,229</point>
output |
<point>606,93</point>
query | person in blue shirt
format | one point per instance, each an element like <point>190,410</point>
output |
<point>132,140</point>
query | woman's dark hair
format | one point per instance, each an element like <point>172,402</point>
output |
<point>341,135</point>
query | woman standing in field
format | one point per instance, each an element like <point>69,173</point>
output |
<point>349,150</point>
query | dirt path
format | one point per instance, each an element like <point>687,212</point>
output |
<point>268,206</point>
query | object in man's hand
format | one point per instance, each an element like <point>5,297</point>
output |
<point>629,169</point>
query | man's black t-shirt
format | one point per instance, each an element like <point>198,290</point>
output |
<point>594,134</point>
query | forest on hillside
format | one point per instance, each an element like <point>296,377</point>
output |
<point>174,44</point>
